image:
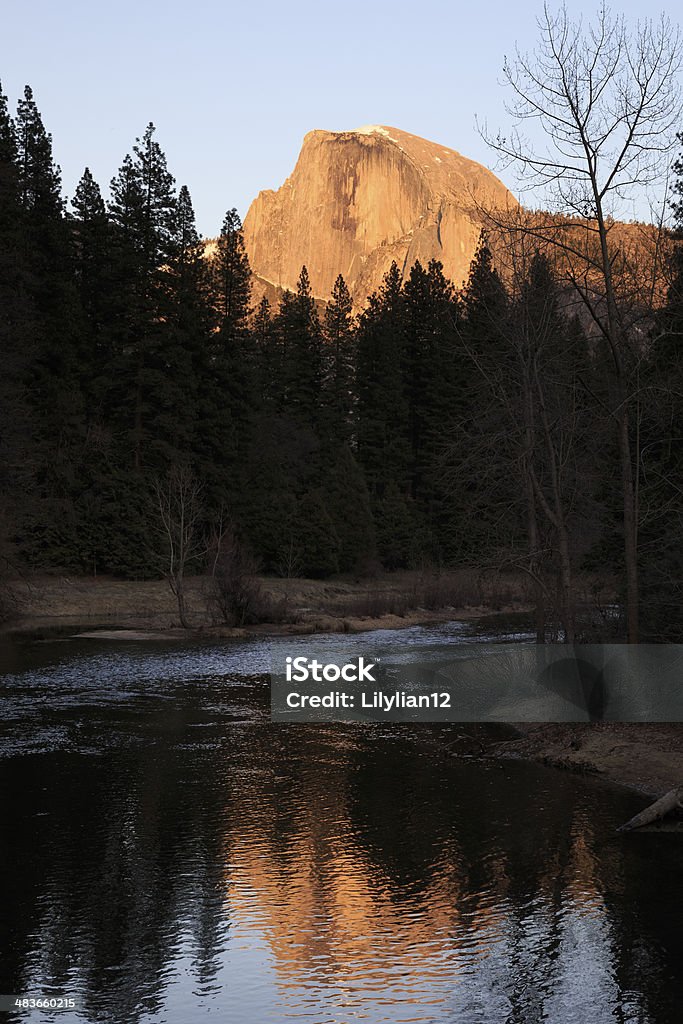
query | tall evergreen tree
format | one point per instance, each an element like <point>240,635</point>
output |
<point>339,363</point>
<point>383,442</point>
<point>300,338</point>
<point>187,330</point>
<point>39,176</point>
<point>231,278</point>
<point>314,537</point>
<point>140,386</point>
<point>87,202</point>
<point>483,346</point>
<point>437,380</point>
<point>348,506</point>
<point>267,357</point>
<point>284,463</point>
<point>143,210</point>
<point>16,339</point>
<point>91,241</point>
<point>229,377</point>
<point>143,201</point>
<point>384,449</point>
<point>56,339</point>
<point>8,159</point>
<point>485,303</point>
<point>90,238</point>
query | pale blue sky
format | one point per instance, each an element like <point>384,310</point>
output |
<point>233,87</point>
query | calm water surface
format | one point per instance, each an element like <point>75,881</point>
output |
<point>169,855</point>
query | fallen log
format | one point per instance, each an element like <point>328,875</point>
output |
<point>671,801</point>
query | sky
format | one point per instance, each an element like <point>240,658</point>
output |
<point>233,87</point>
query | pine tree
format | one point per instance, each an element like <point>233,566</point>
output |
<point>315,539</point>
<point>56,341</point>
<point>268,381</point>
<point>279,469</point>
<point>348,506</point>
<point>485,303</point>
<point>383,441</point>
<point>87,202</point>
<point>229,376</point>
<point>395,527</point>
<point>17,458</point>
<point>339,364</point>
<point>231,278</point>
<point>143,211</point>
<point>143,414</point>
<point>11,249</point>
<point>91,240</point>
<point>127,201</point>
<point>185,241</point>
<point>284,460</point>
<point>90,243</point>
<point>187,331</point>
<point>479,489</point>
<point>8,162</point>
<point>39,177</point>
<point>437,382</point>
<point>143,202</point>
<point>384,448</point>
<point>300,340</point>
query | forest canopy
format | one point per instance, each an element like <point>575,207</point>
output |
<point>436,427</point>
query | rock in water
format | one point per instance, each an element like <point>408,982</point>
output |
<point>359,200</point>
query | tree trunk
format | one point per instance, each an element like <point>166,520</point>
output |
<point>669,802</point>
<point>557,516</point>
<point>630,529</point>
<point>179,589</point>
<point>566,586</point>
<point>616,344</point>
<point>539,594</point>
<point>532,518</point>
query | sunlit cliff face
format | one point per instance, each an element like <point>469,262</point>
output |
<point>359,200</point>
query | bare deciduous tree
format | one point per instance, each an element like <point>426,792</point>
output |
<point>607,104</point>
<point>177,510</point>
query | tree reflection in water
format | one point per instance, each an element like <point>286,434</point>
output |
<point>204,858</point>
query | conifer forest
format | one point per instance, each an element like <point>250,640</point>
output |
<point>142,385</point>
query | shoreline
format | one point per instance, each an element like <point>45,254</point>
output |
<point>645,757</point>
<point>147,609</point>
<point>142,629</point>
<point>642,756</point>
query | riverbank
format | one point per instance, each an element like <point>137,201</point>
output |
<point>296,606</point>
<point>647,757</point>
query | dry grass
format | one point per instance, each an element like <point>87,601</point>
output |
<point>401,593</point>
<point>150,604</point>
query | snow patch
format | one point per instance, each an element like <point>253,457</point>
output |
<point>369,129</point>
<point>373,129</point>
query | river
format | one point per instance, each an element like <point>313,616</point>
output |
<point>169,855</point>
